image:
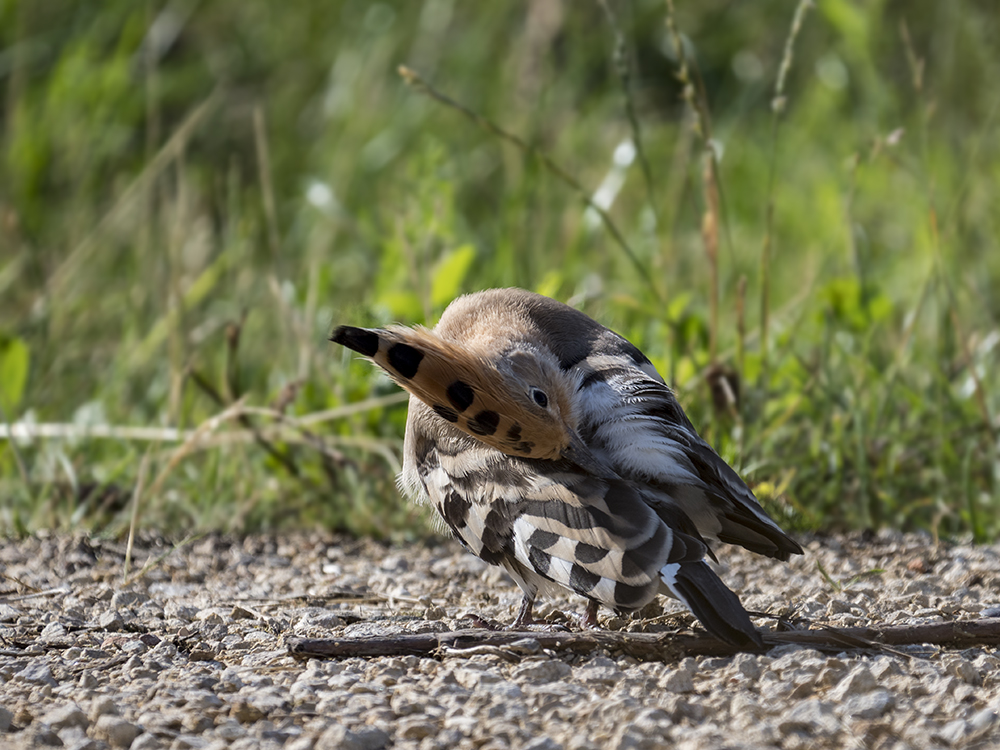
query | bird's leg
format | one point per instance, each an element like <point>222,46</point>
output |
<point>526,620</point>
<point>589,619</point>
<point>524,616</point>
<point>483,623</point>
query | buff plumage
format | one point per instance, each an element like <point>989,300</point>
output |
<point>552,447</point>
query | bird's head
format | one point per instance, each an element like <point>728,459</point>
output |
<point>508,393</point>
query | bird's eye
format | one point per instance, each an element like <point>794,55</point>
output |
<point>539,397</point>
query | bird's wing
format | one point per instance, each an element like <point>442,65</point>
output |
<point>549,525</point>
<point>630,416</point>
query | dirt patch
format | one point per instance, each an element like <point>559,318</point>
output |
<point>191,653</point>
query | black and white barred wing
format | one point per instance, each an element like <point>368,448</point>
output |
<point>600,539</point>
<point>633,418</point>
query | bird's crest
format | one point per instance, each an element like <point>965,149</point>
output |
<point>461,387</point>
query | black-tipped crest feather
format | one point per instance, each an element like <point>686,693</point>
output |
<point>360,340</point>
<point>455,382</point>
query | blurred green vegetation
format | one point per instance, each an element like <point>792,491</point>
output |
<point>193,193</point>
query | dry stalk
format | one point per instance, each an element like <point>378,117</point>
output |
<point>414,80</point>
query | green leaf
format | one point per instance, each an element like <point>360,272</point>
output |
<point>14,360</point>
<point>550,284</point>
<point>449,274</point>
<point>678,306</point>
<point>402,305</point>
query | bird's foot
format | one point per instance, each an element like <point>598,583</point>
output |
<point>526,621</point>
<point>588,620</point>
<point>534,626</point>
<point>483,623</point>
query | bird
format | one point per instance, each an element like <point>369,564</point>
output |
<point>551,446</point>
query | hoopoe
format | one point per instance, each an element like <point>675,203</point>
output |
<point>551,446</point>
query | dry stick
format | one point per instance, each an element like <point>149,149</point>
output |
<point>694,96</point>
<point>166,155</point>
<point>65,431</point>
<point>289,429</point>
<point>178,455</point>
<point>777,107</point>
<point>266,184</point>
<point>282,458</point>
<point>193,440</point>
<point>741,336</point>
<point>37,594</point>
<point>413,79</point>
<point>161,557</point>
<point>651,646</point>
<point>917,71</point>
<point>625,74</point>
<point>71,431</point>
<point>266,178</point>
<point>355,408</point>
<point>710,239</point>
<point>140,481</point>
<point>232,379</point>
<point>174,302</point>
<point>20,583</point>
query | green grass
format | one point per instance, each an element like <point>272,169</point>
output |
<point>192,195</point>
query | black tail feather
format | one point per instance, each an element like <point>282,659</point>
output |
<point>718,608</point>
<point>741,527</point>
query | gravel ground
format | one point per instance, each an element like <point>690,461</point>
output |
<point>191,654</point>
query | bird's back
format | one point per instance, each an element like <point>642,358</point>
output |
<point>626,413</point>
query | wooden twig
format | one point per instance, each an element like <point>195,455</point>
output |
<point>63,431</point>
<point>650,646</point>
<point>60,591</point>
<point>282,457</point>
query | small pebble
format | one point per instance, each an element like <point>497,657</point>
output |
<point>9,613</point>
<point>102,705</point>
<point>65,716</point>
<point>870,705</point>
<point>36,673</point>
<point>859,680</point>
<point>810,716</point>
<point>543,743</point>
<point>540,672</point>
<point>116,731</point>
<point>122,599</point>
<point>110,621</point>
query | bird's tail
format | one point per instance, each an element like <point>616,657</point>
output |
<point>718,608</point>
